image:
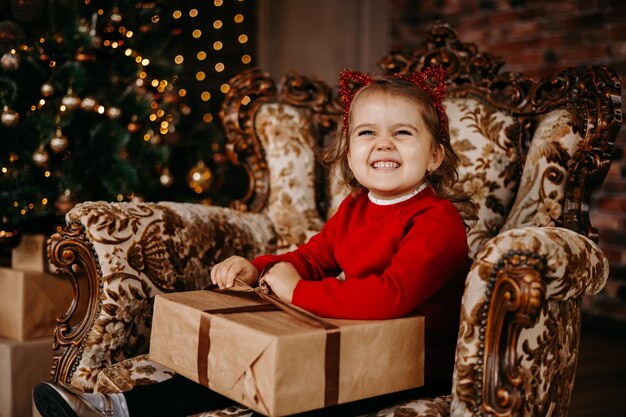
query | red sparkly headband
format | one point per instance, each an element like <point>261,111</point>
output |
<point>432,80</point>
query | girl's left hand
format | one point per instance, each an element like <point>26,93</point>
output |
<point>282,279</point>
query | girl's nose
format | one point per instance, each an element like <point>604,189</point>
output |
<point>384,144</point>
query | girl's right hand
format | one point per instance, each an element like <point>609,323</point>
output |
<point>224,273</point>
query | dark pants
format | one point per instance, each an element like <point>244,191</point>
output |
<point>180,397</point>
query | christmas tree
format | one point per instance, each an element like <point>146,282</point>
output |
<point>93,109</point>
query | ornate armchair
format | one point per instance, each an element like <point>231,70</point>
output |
<point>531,152</point>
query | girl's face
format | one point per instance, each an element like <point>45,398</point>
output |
<point>390,146</point>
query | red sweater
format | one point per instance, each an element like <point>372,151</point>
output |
<point>400,258</point>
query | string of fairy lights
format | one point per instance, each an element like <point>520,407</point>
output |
<point>217,34</point>
<point>213,43</point>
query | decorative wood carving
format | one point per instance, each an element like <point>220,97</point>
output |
<point>248,92</point>
<point>515,294</point>
<point>72,253</point>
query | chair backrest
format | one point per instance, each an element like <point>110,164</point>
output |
<point>531,151</point>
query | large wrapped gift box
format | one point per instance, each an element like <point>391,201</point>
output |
<point>22,366</point>
<point>30,302</point>
<point>277,364</point>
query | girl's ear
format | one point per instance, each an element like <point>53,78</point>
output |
<point>436,157</point>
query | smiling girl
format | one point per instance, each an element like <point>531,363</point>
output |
<point>398,237</point>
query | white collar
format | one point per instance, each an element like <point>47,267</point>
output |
<point>397,200</point>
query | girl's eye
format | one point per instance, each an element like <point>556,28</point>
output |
<point>366,132</point>
<point>402,132</point>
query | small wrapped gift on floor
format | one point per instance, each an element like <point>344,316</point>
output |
<point>30,302</point>
<point>286,361</point>
<point>22,366</point>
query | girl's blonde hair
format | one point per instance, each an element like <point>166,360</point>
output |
<point>443,180</point>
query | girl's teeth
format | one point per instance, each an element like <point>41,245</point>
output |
<point>386,164</point>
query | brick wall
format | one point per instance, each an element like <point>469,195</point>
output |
<point>537,38</point>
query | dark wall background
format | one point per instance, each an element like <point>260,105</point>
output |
<point>538,38</point>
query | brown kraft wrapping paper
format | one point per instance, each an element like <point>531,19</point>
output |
<point>277,364</point>
<point>22,366</point>
<point>30,302</point>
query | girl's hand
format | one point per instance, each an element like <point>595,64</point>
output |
<point>224,273</point>
<point>282,279</point>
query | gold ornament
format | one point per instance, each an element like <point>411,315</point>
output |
<point>166,178</point>
<point>84,26</point>
<point>88,103</point>
<point>65,202</point>
<point>47,90</point>
<point>115,15</point>
<point>70,100</point>
<point>40,157</point>
<point>200,178</point>
<point>114,113</point>
<point>9,117</point>
<point>58,142</point>
<point>10,61</point>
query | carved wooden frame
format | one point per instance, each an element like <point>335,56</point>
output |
<point>248,92</point>
<point>73,254</point>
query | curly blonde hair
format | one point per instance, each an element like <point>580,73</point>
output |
<point>443,181</point>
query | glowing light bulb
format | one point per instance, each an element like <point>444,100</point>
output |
<point>200,75</point>
<point>201,56</point>
<point>217,24</point>
<point>246,59</point>
<point>217,45</point>
<point>219,67</point>
<point>179,59</point>
<point>243,38</point>
<point>238,18</point>
<point>193,13</point>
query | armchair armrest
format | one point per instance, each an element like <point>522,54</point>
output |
<point>127,253</point>
<point>520,322</point>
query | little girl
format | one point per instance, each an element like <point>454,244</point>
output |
<point>398,238</point>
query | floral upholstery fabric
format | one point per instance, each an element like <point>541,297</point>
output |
<point>289,144</point>
<point>144,249</point>
<point>426,407</point>
<point>125,375</point>
<point>541,194</point>
<point>489,163</point>
<point>548,349</point>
